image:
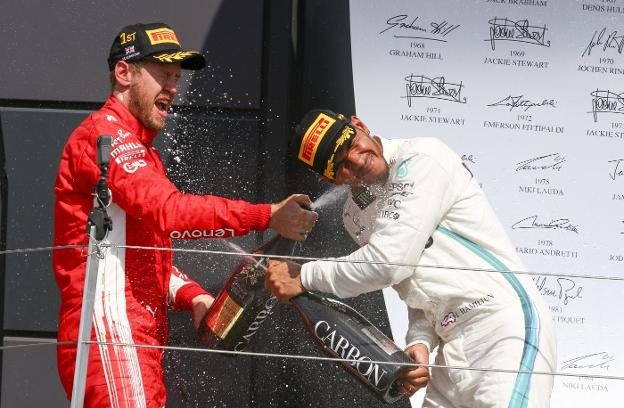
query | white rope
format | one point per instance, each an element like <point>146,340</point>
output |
<point>339,360</point>
<point>37,344</point>
<point>306,258</point>
<point>315,358</point>
<point>40,249</point>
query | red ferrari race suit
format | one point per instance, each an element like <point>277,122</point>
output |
<point>135,287</point>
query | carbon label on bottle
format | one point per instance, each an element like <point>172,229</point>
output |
<point>346,348</point>
<point>227,314</point>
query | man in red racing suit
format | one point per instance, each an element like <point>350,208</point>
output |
<point>135,287</point>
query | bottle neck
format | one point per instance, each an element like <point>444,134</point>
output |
<point>279,245</point>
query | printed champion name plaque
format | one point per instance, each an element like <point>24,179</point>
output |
<point>531,94</point>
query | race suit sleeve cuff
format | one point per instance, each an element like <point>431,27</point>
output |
<point>305,277</point>
<point>427,342</point>
<point>313,278</point>
<point>258,216</point>
<point>186,294</point>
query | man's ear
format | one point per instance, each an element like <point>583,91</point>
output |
<point>359,124</point>
<point>123,73</point>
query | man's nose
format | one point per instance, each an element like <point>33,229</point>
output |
<point>171,86</point>
<point>352,164</point>
<point>355,159</point>
<point>172,89</point>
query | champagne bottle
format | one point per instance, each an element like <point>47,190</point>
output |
<point>243,304</point>
<point>342,332</point>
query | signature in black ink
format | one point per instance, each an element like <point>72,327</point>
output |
<point>443,28</point>
<point>437,31</point>
<point>420,86</point>
<point>564,289</point>
<point>606,101</point>
<point>617,171</point>
<point>551,161</point>
<point>612,40</point>
<point>504,29</point>
<point>356,222</point>
<point>397,22</point>
<point>531,222</point>
<point>468,158</point>
<point>594,360</point>
<point>519,101</point>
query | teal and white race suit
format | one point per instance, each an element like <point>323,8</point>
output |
<point>432,212</point>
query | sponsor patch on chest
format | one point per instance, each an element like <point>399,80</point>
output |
<point>465,309</point>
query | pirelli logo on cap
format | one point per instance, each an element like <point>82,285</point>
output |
<point>162,35</point>
<point>313,137</point>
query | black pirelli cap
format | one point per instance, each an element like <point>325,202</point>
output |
<point>319,136</point>
<point>153,42</point>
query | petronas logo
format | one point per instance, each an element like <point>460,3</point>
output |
<point>403,169</point>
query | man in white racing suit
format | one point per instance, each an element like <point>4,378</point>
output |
<point>422,219</point>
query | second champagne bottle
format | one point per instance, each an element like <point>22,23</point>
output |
<point>243,304</point>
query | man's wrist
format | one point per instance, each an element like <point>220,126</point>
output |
<point>186,295</point>
<point>201,297</point>
<point>420,342</point>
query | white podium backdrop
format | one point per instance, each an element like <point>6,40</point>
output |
<point>531,94</point>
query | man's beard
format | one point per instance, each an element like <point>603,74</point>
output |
<point>142,108</point>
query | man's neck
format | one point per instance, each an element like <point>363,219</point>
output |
<point>121,96</point>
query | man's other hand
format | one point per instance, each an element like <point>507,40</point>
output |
<point>414,379</point>
<point>201,304</point>
<point>292,218</point>
<point>283,279</point>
